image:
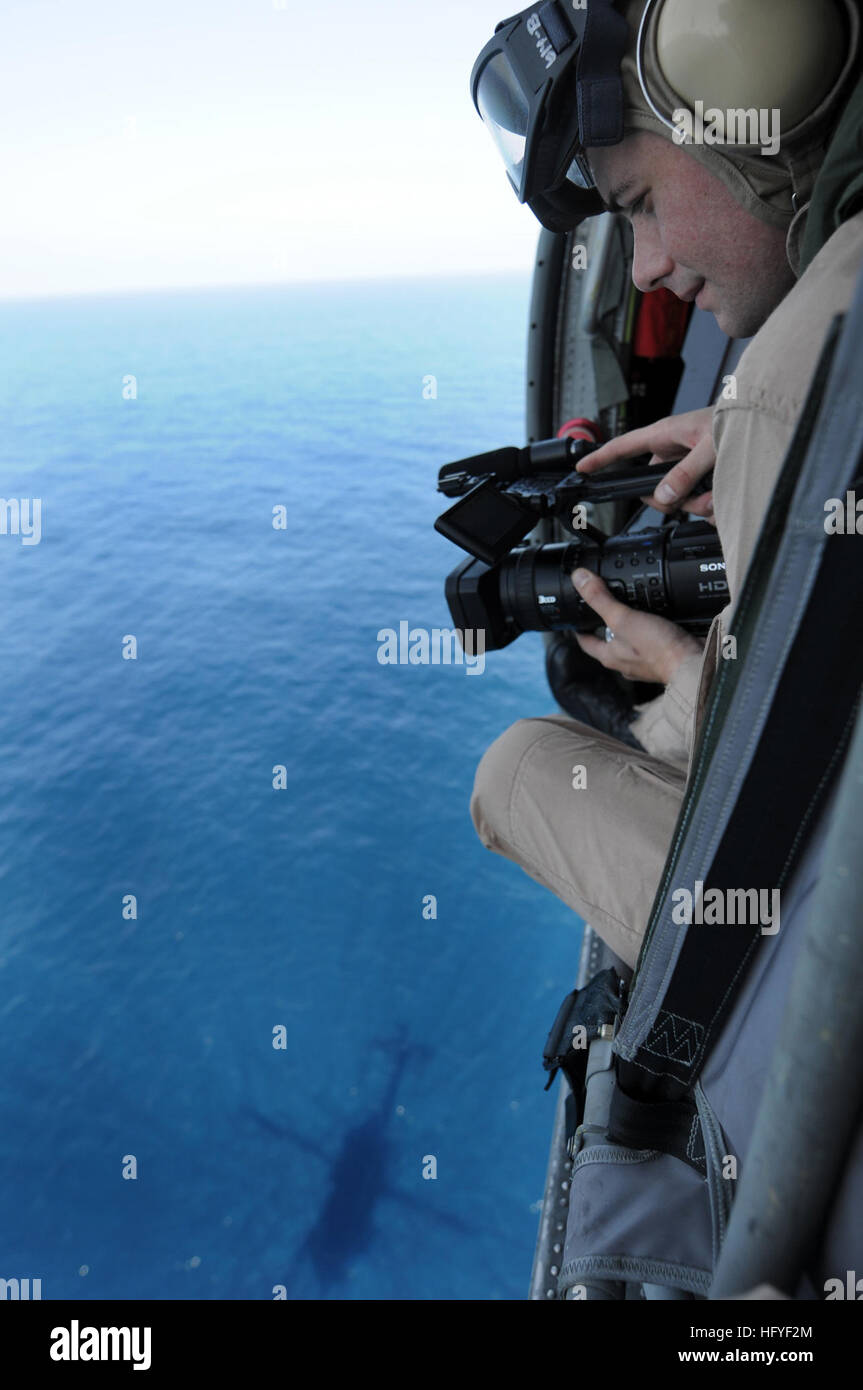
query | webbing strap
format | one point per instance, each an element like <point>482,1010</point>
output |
<point>674,1127</point>
<point>797,758</point>
<point>557,24</point>
<point>600,85</point>
<point>677,1004</point>
<point>751,597</point>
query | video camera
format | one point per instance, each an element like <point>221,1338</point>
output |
<point>508,586</point>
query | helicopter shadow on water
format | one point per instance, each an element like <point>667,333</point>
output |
<point>360,1177</point>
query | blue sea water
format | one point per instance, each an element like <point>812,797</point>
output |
<point>152,1039</point>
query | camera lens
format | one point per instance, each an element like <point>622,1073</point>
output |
<point>536,586</point>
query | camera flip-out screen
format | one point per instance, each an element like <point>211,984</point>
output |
<point>486,523</point>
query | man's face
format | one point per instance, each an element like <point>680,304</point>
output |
<point>691,234</point>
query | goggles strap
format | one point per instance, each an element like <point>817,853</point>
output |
<point>556,24</point>
<point>599,83</point>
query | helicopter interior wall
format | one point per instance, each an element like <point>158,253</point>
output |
<point>709,357</point>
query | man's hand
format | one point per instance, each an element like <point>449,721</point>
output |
<point>688,438</point>
<point>645,646</point>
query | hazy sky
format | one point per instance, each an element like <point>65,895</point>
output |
<point>201,142</point>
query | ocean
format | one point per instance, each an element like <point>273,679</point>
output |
<point>261,1040</point>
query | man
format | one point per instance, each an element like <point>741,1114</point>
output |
<point>772,245</point>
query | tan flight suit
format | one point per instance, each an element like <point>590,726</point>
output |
<point>599,838</point>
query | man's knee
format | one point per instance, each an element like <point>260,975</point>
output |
<point>495,776</point>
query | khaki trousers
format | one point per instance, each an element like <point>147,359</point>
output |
<point>584,815</point>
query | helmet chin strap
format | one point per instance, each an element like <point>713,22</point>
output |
<point>803,172</point>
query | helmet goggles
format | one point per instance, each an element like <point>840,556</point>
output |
<point>547,86</point>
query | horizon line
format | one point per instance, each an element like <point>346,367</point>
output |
<point>138,291</point>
